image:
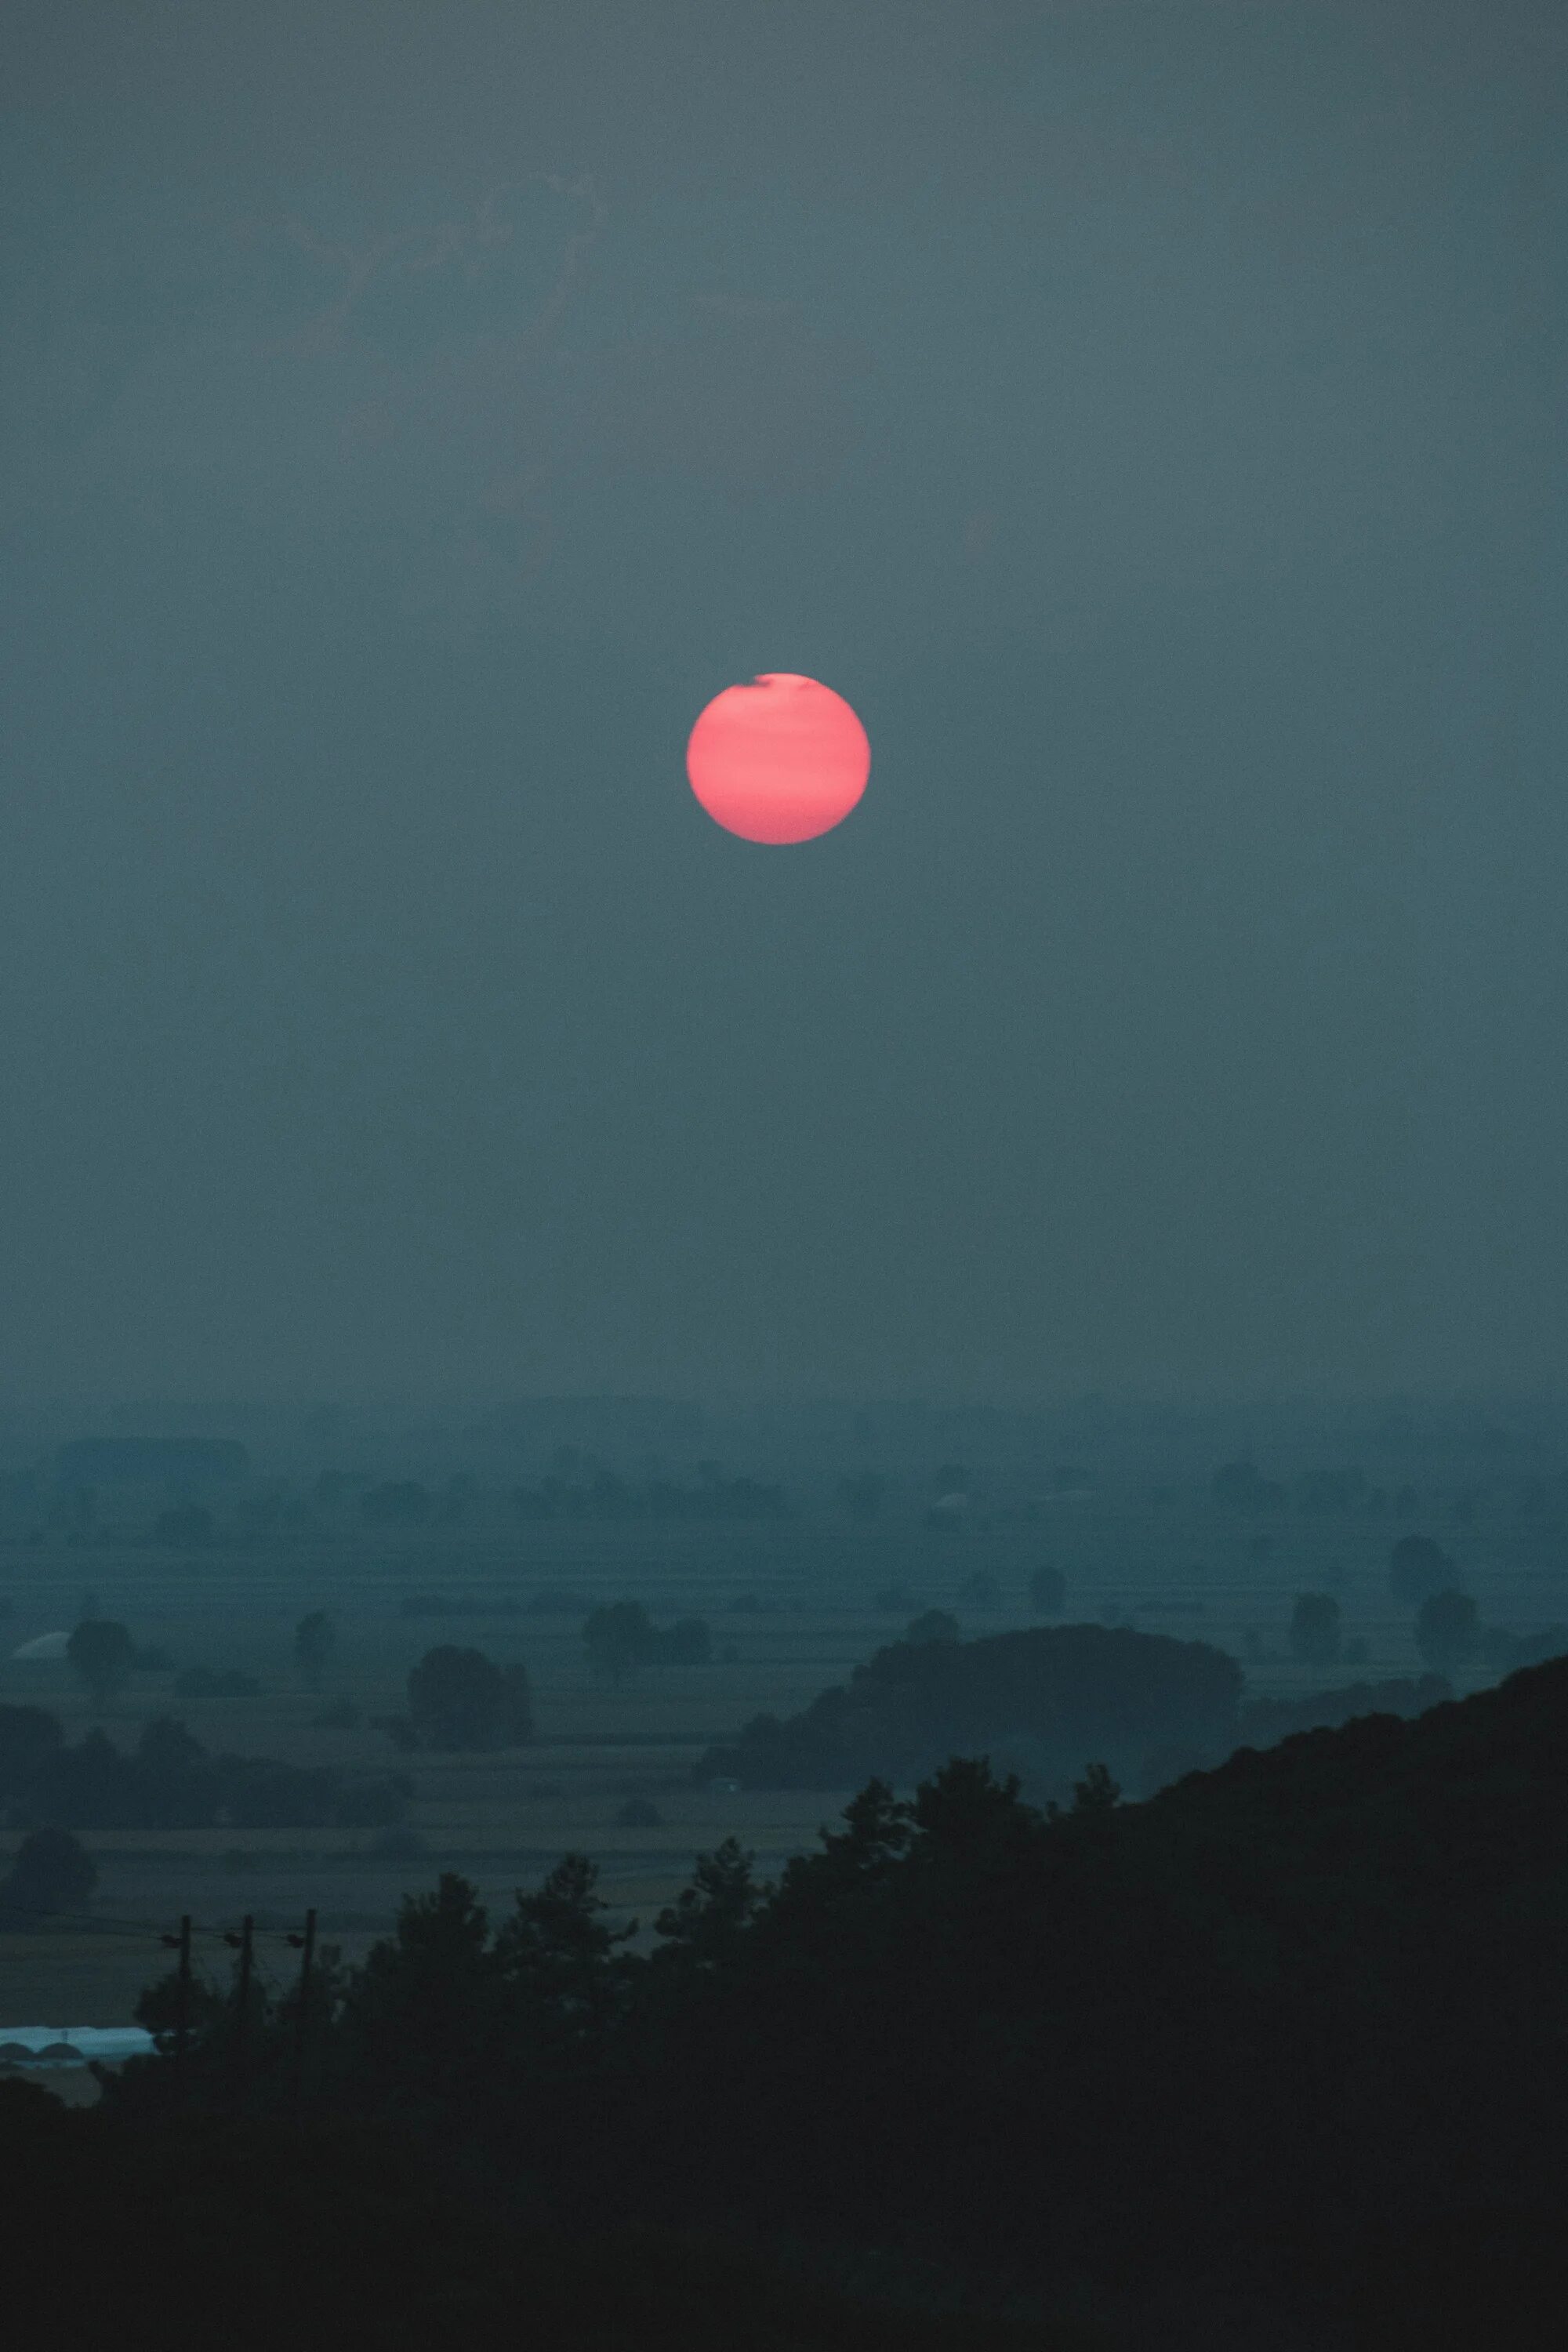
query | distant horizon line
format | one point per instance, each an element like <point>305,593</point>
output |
<point>494,1402</point>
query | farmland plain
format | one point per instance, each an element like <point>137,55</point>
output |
<point>792,1606</point>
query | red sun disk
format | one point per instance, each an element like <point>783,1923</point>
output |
<point>781,760</point>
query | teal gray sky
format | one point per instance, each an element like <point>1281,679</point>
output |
<point>1148,416</point>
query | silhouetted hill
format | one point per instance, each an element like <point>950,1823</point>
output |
<point>1233,2047</point>
<point>1282,2012</point>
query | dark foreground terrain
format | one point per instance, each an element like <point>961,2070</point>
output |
<point>1275,2058</point>
<point>253,2234</point>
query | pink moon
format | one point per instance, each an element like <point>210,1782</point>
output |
<point>781,760</point>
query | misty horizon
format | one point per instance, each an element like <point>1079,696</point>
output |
<point>1147,419</point>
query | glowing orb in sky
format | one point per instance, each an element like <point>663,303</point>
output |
<point>781,760</point>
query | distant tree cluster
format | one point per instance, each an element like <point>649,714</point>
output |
<point>1055,1692</point>
<point>168,1780</point>
<point>1163,1707</point>
<point>461,1700</point>
<point>621,1637</point>
<point>104,1657</point>
<point>52,1873</point>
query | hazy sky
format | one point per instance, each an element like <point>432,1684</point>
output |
<point>1148,416</point>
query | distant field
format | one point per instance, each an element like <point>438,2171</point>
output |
<point>503,1819</point>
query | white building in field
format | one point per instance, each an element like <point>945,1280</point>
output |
<point>71,2045</point>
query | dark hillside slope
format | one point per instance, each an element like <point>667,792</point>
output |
<point>1246,2040</point>
<point>1280,2011</point>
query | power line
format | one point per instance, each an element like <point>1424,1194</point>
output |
<point>78,1919</point>
<point>148,1928</point>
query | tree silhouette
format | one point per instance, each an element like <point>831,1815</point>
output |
<point>557,1951</point>
<point>165,2005</point>
<point>705,1923</point>
<point>1097,1792</point>
<point>423,2014</point>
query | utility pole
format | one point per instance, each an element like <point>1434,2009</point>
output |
<point>241,2002</point>
<point>182,1997</point>
<point>306,1947</point>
